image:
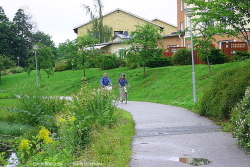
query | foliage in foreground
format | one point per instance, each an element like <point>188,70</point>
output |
<point>90,110</point>
<point>241,120</point>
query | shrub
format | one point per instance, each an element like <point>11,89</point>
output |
<point>226,90</point>
<point>239,56</point>
<point>241,120</point>
<point>159,62</point>
<point>133,60</point>
<point>108,61</point>
<point>182,57</point>
<point>215,56</point>
<point>60,67</point>
<point>16,70</point>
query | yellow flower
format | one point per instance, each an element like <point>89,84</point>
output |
<point>62,120</point>
<point>24,144</point>
<point>44,135</point>
<point>72,119</point>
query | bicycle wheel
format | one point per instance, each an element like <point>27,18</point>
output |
<point>125,97</point>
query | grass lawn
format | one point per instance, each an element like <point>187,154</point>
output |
<point>170,85</point>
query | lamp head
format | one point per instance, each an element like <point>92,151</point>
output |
<point>188,12</point>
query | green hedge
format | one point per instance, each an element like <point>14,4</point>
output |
<point>228,88</point>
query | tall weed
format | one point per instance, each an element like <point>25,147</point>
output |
<point>35,108</point>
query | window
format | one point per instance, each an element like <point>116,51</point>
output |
<point>182,26</point>
<point>117,32</point>
<point>206,25</point>
<point>224,42</point>
<point>182,6</point>
<point>173,46</point>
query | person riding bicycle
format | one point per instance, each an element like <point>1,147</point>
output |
<point>122,82</point>
<point>105,81</point>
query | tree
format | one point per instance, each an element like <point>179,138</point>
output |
<point>144,41</point>
<point>99,31</point>
<point>25,27</point>
<point>67,50</point>
<point>45,60</point>
<point>231,17</point>
<point>5,63</point>
<point>8,35</point>
<point>85,45</point>
<point>45,39</point>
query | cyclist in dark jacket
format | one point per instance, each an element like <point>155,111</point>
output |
<point>105,81</point>
<point>122,82</point>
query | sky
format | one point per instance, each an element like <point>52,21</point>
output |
<point>58,18</point>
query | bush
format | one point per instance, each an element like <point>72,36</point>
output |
<point>108,61</point>
<point>226,90</point>
<point>159,62</point>
<point>133,60</point>
<point>215,56</point>
<point>60,67</point>
<point>239,56</point>
<point>16,70</point>
<point>241,120</point>
<point>182,57</point>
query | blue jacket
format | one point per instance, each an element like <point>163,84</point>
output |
<point>105,81</point>
<point>122,82</point>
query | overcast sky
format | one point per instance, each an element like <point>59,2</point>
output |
<point>58,17</point>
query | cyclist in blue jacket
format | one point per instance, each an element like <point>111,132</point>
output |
<point>105,81</point>
<point>122,82</point>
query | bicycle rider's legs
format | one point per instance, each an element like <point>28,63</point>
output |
<point>121,93</point>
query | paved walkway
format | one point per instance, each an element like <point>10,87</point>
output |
<point>168,136</point>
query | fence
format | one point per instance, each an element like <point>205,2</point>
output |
<point>171,51</point>
<point>230,48</point>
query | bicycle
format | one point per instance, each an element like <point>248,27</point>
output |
<point>109,87</point>
<point>125,94</point>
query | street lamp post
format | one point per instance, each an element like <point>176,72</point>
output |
<point>188,12</point>
<point>35,47</point>
<point>18,61</point>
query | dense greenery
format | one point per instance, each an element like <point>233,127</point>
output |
<point>226,90</point>
<point>71,122</point>
<point>145,41</point>
<point>5,63</point>
<point>219,15</point>
<point>240,117</point>
<point>213,56</point>
<point>182,57</point>
<point>18,36</point>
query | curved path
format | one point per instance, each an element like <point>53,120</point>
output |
<point>168,136</point>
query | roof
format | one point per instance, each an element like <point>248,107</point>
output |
<point>164,22</point>
<point>122,36</point>
<point>75,29</point>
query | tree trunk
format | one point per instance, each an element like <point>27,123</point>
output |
<point>0,77</point>
<point>208,63</point>
<point>83,68</point>
<point>144,70</point>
